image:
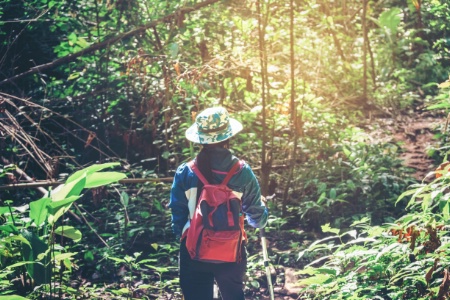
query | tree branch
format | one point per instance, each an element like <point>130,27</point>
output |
<point>106,43</point>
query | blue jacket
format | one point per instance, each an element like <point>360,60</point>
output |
<point>183,197</point>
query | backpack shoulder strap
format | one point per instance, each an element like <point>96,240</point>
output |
<point>200,176</point>
<point>231,173</point>
<point>197,172</point>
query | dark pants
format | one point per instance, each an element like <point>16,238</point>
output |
<point>197,278</point>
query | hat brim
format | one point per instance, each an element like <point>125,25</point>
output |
<point>195,136</point>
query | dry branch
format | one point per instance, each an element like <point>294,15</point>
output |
<point>7,98</point>
<point>106,43</point>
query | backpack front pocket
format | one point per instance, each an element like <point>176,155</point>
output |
<point>220,246</point>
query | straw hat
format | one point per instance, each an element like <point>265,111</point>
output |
<point>212,126</point>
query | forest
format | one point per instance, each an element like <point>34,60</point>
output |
<point>345,106</point>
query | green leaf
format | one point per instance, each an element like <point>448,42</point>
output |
<point>390,19</point>
<point>444,84</point>
<point>56,205</point>
<point>40,272</point>
<point>118,260</point>
<point>73,188</point>
<point>4,210</point>
<point>8,228</point>
<point>12,297</point>
<point>362,221</point>
<point>158,269</point>
<point>322,198</point>
<point>69,232</point>
<point>404,194</point>
<point>445,211</point>
<point>439,106</point>
<point>301,254</point>
<point>173,50</point>
<point>418,193</point>
<point>255,284</point>
<point>82,42</point>
<point>327,228</point>
<point>316,279</point>
<point>73,76</point>
<point>103,178</point>
<point>68,264</point>
<point>72,37</point>
<point>64,256</point>
<point>89,256</point>
<point>124,199</point>
<point>52,218</point>
<point>329,271</point>
<point>426,201</point>
<point>307,271</point>
<point>347,152</point>
<point>333,193</point>
<point>121,291</point>
<point>39,210</point>
<point>22,263</point>
<point>18,237</point>
<point>165,155</point>
<point>90,170</point>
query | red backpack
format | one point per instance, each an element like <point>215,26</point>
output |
<point>216,231</point>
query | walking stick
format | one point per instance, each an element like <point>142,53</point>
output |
<point>266,262</point>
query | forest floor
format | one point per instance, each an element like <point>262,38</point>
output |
<point>414,133</point>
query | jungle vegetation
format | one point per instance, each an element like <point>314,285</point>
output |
<point>95,97</point>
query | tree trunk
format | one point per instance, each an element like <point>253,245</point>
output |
<point>364,29</point>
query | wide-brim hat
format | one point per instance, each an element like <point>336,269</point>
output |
<point>212,126</point>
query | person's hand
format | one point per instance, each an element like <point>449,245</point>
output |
<point>263,199</point>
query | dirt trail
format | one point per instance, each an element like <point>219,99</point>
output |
<point>415,134</point>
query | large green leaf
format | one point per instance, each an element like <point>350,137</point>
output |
<point>103,178</point>
<point>89,170</point>
<point>73,188</point>
<point>53,217</point>
<point>39,271</point>
<point>8,228</point>
<point>56,205</point>
<point>22,263</point>
<point>17,237</point>
<point>69,232</point>
<point>64,256</point>
<point>39,210</point>
<point>12,297</point>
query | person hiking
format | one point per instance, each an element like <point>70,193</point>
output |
<point>213,129</point>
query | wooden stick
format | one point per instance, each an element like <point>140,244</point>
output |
<point>46,183</point>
